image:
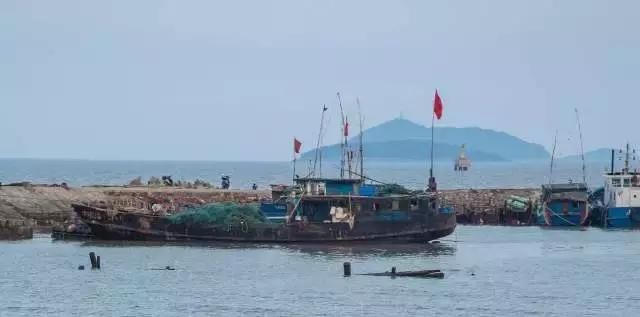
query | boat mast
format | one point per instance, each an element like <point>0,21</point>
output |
<point>318,155</point>
<point>361,148</point>
<point>553,154</point>
<point>343,139</point>
<point>432,186</point>
<point>584,166</point>
<point>626,160</point>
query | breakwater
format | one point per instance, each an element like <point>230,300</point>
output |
<point>26,207</point>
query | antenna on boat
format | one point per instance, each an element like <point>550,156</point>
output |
<point>361,148</point>
<point>553,154</point>
<point>318,155</point>
<point>584,166</point>
<point>343,140</point>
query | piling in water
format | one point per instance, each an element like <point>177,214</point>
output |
<point>98,262</point>
<point>347,268</point>
<point>92,258</point>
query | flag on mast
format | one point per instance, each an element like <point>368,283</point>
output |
<point>346,127</point>
<point>437,106</point>
<point>297,145</point>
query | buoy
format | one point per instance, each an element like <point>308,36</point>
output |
<point>81,267</point>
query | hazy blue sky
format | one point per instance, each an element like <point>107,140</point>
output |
<point>236,80</point>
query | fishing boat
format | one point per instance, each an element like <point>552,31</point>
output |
<point>621,198</point>
<point>325,210</point>
<point>313,209</point>
<point>563,205</point>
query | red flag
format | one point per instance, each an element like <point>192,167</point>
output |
<point>437,106</point>
<point>346,128</point>
<point>296,146</point>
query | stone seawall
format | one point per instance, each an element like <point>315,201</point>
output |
<point>45,206</point>
<point>483,206</point>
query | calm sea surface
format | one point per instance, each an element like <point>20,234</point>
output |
<point>518,272</point>
<point>243,174</point>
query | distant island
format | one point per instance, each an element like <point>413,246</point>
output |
<point>404,140</point>
<point>599,155</point>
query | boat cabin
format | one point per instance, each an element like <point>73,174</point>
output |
<point>565,198</point>
<point>335,186</point>
<point>622,189</point>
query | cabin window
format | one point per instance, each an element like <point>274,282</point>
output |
<point>627,182</point>
<point>574,205</point>
<point>395,205</point>
<point>376,206</point>
<point>615,182</point>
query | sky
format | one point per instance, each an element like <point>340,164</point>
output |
<point>237,80</point>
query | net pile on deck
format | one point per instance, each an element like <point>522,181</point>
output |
<point>220,213</point>
<point>392,189</point>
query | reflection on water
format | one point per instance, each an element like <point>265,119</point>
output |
<point>373,249</point>
<point>361,249</point>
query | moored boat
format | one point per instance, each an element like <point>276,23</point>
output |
<point>314,209</point>
<point>324,210</point>
<point>563,205</point>
<point>621,198</point>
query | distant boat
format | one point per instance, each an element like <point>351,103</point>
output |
<point>563,205</point>
<point>463,163</point>
<point>621,199</point>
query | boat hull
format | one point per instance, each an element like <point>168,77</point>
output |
<point>621,217</point>
<point>110,225</point>
<point>563,213</point>
<point>556,220</point>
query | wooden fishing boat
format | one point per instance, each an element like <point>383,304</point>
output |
<point>327,210</point>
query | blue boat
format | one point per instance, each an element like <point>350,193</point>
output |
<point>621,198</point>
<point>563,205</point>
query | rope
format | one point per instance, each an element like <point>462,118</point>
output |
<point>295,207</point>
<point>559,216</point>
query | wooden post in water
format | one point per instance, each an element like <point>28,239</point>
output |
<point>92,257</point>
<point>347,269</point>
<point>98,262</point>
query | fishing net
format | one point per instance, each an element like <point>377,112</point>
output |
<point>220,213</point>
<point>392,189</point>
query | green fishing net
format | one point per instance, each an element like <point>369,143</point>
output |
<point>220,213</point>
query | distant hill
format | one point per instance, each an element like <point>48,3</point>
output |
<point>498,143</point>
<point>410,150</point>
<point>599,155</point>
<point>401,139</point>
